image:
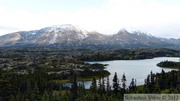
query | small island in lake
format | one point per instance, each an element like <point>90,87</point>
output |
<point>169,64</point>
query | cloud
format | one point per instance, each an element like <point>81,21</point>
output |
<point>139,12</point>
<point>152,16</point>
<point>146,14</point>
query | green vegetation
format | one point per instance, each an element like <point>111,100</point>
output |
<point>57,63</point>
<point>169,64</point>
<point>37,75</point>
<point>40,87</point>
<point>127,54</point>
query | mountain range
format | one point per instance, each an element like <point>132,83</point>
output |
<point>70,36</point>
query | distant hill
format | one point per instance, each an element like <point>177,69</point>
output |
<point>70,36</point>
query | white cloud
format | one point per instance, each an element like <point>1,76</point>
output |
<point>138,14</point>
<point>133,15</point>
<point>150,16</point>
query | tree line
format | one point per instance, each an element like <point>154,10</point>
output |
<point>39,86</point>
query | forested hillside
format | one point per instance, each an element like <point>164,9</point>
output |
<point>40,87</point>
<point>36,74</point>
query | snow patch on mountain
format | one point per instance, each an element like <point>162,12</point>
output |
<point>70,35</point>
<point>65,27</point>
<point>34,33</point>
<point>53,40</point>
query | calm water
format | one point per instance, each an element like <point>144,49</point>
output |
<point>137,69</point>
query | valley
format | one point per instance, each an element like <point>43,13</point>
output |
<point>55,63</point>
<point>59,63</point>
<point>44,72</point>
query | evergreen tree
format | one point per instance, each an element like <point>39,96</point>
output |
<point>57,97</point>
<point>123,80</point>
<point>174,79</point>
<point>31,96</point>
<point>162,81</point>
<point>157,88</point>
<point>108,87</point>
<point>74,86</point>
<point>99,86</point>
<point>81,88</point>
<point>115,84</point>
<point>103,85</point>
<point>12,98</point>
<point>28,89</point>
<point>19,96</point>
<point>145,87</point>
<point>148,86</point>
<point>152,82</point>
<point>132,86</point>
<point>45,96</point>
<point>93,86</point>
<point>152,78</point>
<point>37,96</point>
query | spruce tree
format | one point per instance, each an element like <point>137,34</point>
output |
<point>19,96</point>
<point>132,86</point>
<point>123,80</point>
<point>74,86</point>
<point>157,88</point>
<point>37,96</point>
<point>108,87</point>
<point>162,81</point>
<point>100,86</point>
<point>45,96</point>
<point>152,82</point>
<point>115,84</point>
<point>93,86</point>
<point>103,85</point>
<point>12,98</point>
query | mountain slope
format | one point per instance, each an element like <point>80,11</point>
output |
<point>137,39</point>
<point>49,35</point>
<point>74,37</point>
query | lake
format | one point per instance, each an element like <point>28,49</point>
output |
<point>137,69</point>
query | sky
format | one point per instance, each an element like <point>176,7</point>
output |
<point>160,18</point>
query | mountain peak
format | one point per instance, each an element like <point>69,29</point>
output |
<point>123,31</point>
<point>65,27</point>
<point>142,33</point>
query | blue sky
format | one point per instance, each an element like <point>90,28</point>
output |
<point>157,17</point>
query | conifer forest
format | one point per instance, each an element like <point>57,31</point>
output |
<point>36,74</point>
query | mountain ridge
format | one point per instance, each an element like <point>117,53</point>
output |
<point>71,36</point>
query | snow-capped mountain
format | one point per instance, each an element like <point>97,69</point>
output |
<point>137,39</point>
<point>73,36</point>
<point>59,34</point>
